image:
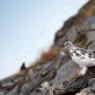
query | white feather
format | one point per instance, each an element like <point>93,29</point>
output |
<point>83,60</point>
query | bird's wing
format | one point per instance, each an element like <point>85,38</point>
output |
<point>90,51</point>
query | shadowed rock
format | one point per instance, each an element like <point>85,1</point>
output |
<point>59,70</point>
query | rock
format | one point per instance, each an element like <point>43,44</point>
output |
<point>91,40</point>
<point>14,91</point>
<point>61,71</point>
<point>30,75</point>
<point>89,20</point>
<point>26,88</point>
<point>68,69</point>
<point>91,82</point>
<point>2,92</point>
<point>86,91</point>
<point>8,85</point>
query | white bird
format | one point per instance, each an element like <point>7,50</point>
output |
<point>84,58</point>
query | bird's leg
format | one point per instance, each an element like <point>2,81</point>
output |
<point>83,71</point>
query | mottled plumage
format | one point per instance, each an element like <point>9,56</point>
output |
<point>84,58</point>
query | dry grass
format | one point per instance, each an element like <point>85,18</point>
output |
<point>46,56</point>
<point>80,40</point>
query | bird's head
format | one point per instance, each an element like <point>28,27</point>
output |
<point>68,44</point>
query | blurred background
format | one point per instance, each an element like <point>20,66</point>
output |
<point>27,28</point>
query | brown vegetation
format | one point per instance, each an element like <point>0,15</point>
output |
<point>80,40</point>
<point>47,56</point>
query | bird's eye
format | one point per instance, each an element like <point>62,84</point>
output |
<point>66,44</point>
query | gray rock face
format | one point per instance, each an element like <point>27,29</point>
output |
<point>89,20</point>
<point>68,69</point>
<point>58,72</point>
<point>14,91</point>
<point>87,91</point>
<point>91,40</point>
<point>2,93</point>
<point>26,88</point>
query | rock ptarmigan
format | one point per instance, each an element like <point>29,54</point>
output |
<point>84,58</point>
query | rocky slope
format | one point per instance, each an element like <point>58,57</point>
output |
<point>55,73</point>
